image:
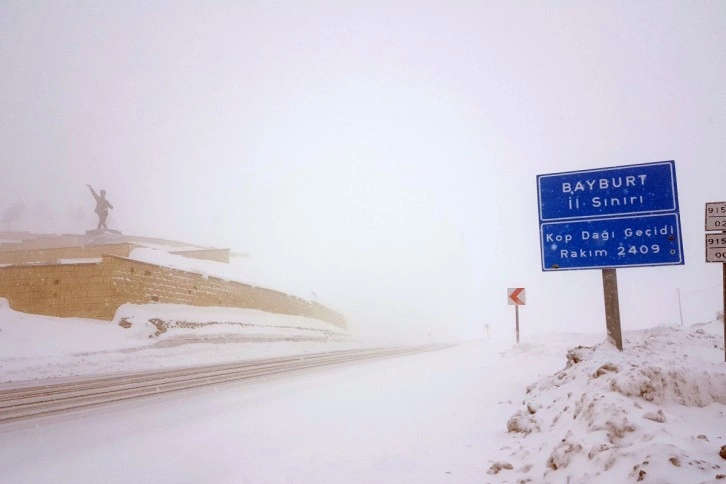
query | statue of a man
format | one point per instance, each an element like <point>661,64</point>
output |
<point>102,206</point>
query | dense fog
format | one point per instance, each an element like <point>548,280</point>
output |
<point>383,154</point>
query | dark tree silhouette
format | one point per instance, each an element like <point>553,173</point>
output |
<point>77,214</point>
<point>13,213</point>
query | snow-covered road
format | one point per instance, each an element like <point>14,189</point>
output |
<point>558,407</point>
<point>430,417</point>
<point>24,402</point>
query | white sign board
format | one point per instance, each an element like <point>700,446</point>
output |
<point>516,296</point>
<point>716,247</point>
<point>716,216</point>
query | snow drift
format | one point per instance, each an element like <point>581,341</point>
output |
<point>153,336</point>
<point>652,413</point>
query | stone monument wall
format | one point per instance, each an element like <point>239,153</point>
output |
<point>97,289</point>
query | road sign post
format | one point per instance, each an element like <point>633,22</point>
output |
<point>612,307</point>
<point>516,296</point>
<point>607,218</point>
<point>716,247</point>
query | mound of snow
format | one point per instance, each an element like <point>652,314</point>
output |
<point>167,321</point>
<point>655,412</point>
<point>239,270</point>
<point>154,336</point>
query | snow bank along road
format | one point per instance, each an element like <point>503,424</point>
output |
<point>19,402</point>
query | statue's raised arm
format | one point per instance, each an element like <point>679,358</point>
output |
<point>93,192</point>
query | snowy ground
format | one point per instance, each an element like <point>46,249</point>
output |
<point>655,413</point>
<point>239,269</point>
<point>545,410</point>
<point>144,337</point>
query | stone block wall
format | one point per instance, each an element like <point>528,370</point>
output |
<point>140,282</point>
<point>20,256</point>
<point>78,290</point>
<point>96,290</point>
<point>26,240</point>
<point>52,255</point>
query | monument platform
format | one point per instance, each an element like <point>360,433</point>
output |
<point>102,232</point>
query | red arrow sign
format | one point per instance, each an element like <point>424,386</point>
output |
<point>516,296</point>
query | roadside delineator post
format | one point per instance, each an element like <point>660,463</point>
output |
<point>516,296</point>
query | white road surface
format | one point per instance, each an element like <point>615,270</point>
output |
<point>420,418</point>
<point>546,410</point>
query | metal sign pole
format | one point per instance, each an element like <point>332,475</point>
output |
<point>606,218</point>
<point>716,246</point>
<point>612,307</point>
<point>516,296</point>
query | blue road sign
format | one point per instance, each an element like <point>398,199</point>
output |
<point>607,192</point>
<point>625,216</point>
<point>643,240</point>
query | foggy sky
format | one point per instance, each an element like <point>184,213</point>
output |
<point>383,153</point>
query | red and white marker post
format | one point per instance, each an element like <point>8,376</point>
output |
<point>516,296</point>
